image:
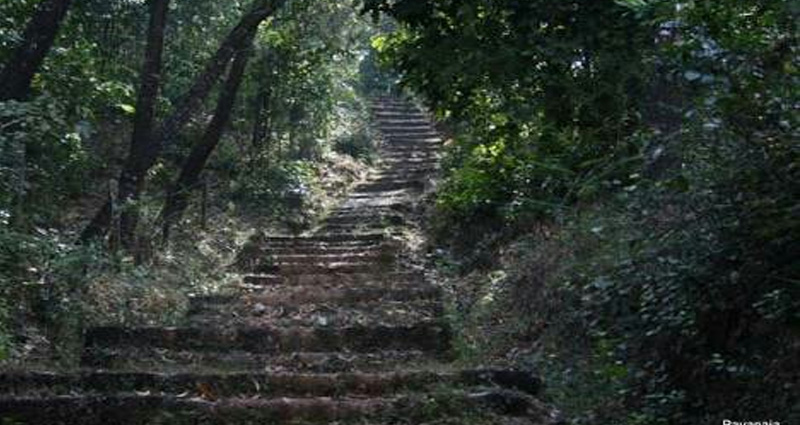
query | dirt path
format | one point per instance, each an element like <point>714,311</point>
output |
<point>334,327</point>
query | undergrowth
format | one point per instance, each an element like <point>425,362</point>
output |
<point>52,289</point>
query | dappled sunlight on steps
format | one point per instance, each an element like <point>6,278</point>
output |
<point>338,326</point>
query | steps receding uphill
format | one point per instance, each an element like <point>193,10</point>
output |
<point>338,326</point>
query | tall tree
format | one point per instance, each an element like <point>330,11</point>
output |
<point>178,197</point>
<point>41,32</point>
<point>142,140</point>
<point>135,171</point>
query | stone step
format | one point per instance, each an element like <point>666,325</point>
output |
<point>381,116</point>
<point>375,277</point>
<point>398,164</point>
<point>342,209</point>
<point>404,162</point>
<point>160,360</point>
<point>319,250</point>
<point>325,258</point>
<point>395,140</point>
<point>395,137</point>
<point>392,166</point>
<point>261,383</point>
<point>409,158</point>
<point>389,185</point>
<point>354,226</point>
<point>421,127</point>
<point>398,113</point>
<point>396,193</point>
<point>321,239</point>
<point>429,336</point>
<point>394,202</point>
<point>368,219</point>
<point>390,100</point>
<point>302,268</point>
<point>125,409</point>
<point>411,148</point>
<point>387,313</point>
<point>395,107</point>
<point>341,295</point>
<point>414,172</point>
<point>409,155</point>
<point>396,121</point>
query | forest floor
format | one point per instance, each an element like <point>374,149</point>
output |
<point>341,324</point>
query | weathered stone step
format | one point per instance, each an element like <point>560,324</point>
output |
<point>400,201</point>
<point>171,361</point>
<point>316,239</point>
<point>340,295</point>
<point>410,149</point>
<point>318,250</point>
<point>395,107</point>
<point>354,227</point>
<point>413,141</point>
<point>391,166</point>
<point>404,162</point>
<point>396,137</point>
<point>418,120</point>
<point>324,258</point>
<point>397,164</point>
<point>370,209</point>
<point>409,155</point>
<point>125,409</point>
<point>421,172</point>
<point>387,313</point>
<point>390,185</point>
<point>397,193</point>
<point>354,218</point>
<point>406,127</point>
<point>263,384</point>
<point>432,336</point>
<point>302,268</point>
<point>405,277</point>
<point>380,116</point>
<point>366,215</point>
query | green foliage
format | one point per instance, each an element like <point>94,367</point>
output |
<point>44,274</point>
<point>542,95</point>
<point>42,159</point>
<point>655,142</point>
<point>280,191</point>
<point>59,149</point>
<point>692,284</point>
<point>308,66</point>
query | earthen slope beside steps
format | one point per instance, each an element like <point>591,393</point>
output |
<point>330,328</point>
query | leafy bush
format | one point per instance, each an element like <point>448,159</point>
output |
<point>44,274</point>
<point>42,159</point>
<point>689,285</point>
<point>279,190</point>
<point>650,149</point>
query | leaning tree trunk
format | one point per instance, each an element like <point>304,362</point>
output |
<point>41,32</point>
<point>142,141</point>
<point>191,102</point>
<point>178,197</point>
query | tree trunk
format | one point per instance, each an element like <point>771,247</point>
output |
<point>41,32</point>
<point>142,141</point>
<point>259,124</point>
<point>261,104</point>
<point>178,197</point>
<point>191,102</point>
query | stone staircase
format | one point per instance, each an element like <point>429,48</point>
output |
<point>337,326</point>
